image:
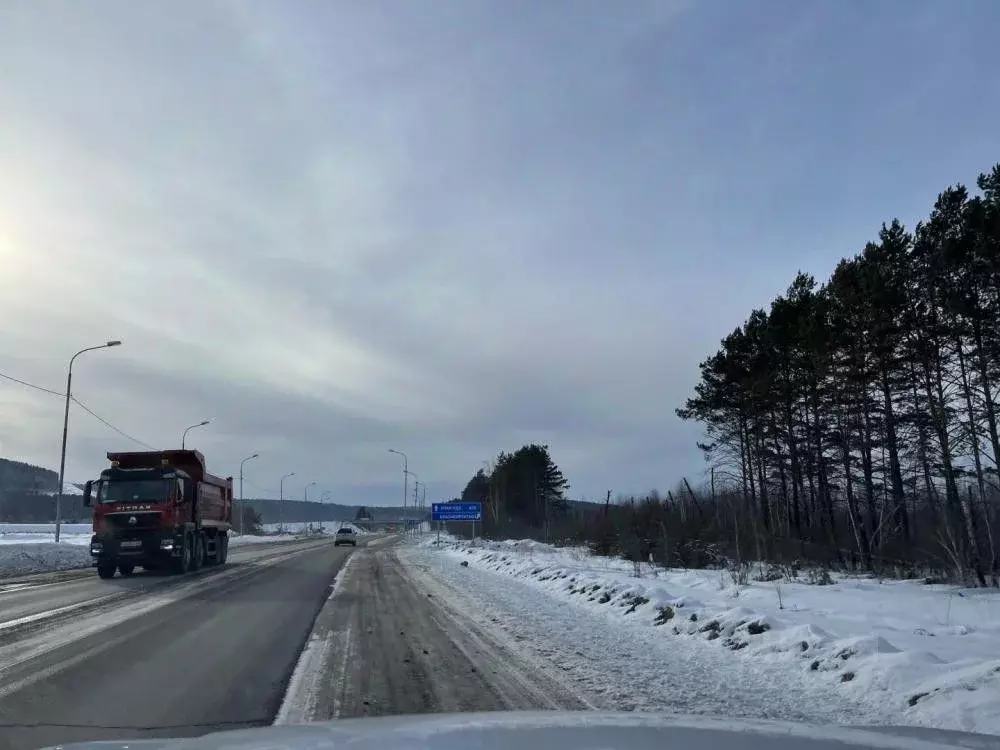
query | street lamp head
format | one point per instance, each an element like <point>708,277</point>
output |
<point>114,343</point>
<point>255,455</point>
<point>203,423</point>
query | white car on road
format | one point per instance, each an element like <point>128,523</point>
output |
<point>346,535</point>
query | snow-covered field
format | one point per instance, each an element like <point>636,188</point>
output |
<point>40,533</point>
<point>857,651</point>
<point>80,533</point>
<point>311,527</point>
<point>30,547</point>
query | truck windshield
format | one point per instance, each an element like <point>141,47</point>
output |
<point>134,491</point>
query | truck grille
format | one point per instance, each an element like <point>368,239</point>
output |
<point>121,522</point>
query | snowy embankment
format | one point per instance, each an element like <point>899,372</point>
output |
<point>854,650</point>
<point>42,557</point>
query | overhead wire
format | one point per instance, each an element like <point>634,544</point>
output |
<point>31,385</point>
<point>106,423</point>
<point>268,490</point>
<point>79,403</point>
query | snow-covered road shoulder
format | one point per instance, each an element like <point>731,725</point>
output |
<point>852,650</point>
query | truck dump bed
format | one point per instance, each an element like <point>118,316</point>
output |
<point>191,462</point>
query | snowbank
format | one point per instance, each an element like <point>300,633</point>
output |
<point>927,654</point>
<point>41,557</point>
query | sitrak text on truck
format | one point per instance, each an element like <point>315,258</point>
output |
<point>159,510</point>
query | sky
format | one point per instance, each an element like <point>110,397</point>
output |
<point>447,227</point>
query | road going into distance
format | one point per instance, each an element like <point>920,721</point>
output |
<point>172,656</point>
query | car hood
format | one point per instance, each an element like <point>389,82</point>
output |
<point>548,730</point>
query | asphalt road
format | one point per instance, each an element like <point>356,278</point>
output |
<point>390,647</point>
<point>174,656</point>
<point>24,596</point>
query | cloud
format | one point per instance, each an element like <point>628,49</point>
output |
<point>443,228</point>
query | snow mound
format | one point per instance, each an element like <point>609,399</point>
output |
<point>41,557</point>
<point>924,654</point>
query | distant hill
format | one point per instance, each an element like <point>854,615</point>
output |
<point>299,510</point>
<point>28,495</point>
<point>21,477</point>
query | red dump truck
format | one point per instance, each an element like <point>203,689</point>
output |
<point>159,510</point>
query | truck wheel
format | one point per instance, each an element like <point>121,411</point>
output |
<point>126,570</point>
<point>106,570</point>
<point>209,559</point>
<point>198,552</point>
<point>182,564</point>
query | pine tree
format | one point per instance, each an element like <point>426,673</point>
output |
<point>865,410</point>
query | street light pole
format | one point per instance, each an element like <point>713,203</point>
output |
<point>281,502</point>
<point>62,456</point>
<point>416,484</point>
<point>242,505</point>
<point>406,474</point>
<point>184,436</point>
<point>305,497</point>
<point>322,501</point>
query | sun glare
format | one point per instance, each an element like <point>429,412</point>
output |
<point>12,260</point>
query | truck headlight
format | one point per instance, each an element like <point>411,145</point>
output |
<point>166,544</point>
<point>96,548</point>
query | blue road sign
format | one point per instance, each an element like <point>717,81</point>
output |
<point>457,511</point>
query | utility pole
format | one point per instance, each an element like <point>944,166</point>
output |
<point>281,502</point>
<point>305,499</point>
<point>322,513</point>
<point>242,504</point>
<point>417,484</point>
<point>423,506</point>
<point>406,474</point>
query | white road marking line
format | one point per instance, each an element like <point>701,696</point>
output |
<point>10,588</point>
<point>50,613</point>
